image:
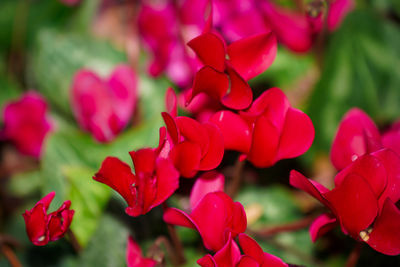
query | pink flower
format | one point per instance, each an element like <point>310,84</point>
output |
<point>26,123</point>
<point>230,255</point>
<point>134,257</point>
<point>337,12</point>
<point>270,130</point>
<point>42,227</point>
<point>193,146</point>
<point>154,181</point>
<point>227,68</point>
<point>363,201</point>
<point>210,204</point>
<point>104,107</point>
<point>357,135</point>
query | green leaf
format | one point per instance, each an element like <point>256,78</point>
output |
<point>360,72</point>
<point>88,199</point>
<point>108,245</point>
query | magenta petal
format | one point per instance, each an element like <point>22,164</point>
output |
<point>122,86</point>
<point>247,261</point>
<point>356,136</point>
<point>251,248</point>
<point>228,255</point>
<point>134,257</point>
<point>215,151</point>
<point>144,160</point>
<point>251,56</point>
<point>385,235</point>
<point>193,132</point>
<point>240,94</point>
<point>368,167</point>
<point>178,217</point>
<point>311,187</point>
<point>391,161</point>
<point>321,225</point>
<point>391,138</point>
<point>354,203</point>
<point>338,9</point>
<point>117,175</point>
<point>210,48</point>
<point>297,136</point>
<point>264,144</point>
<point>208,182</point>
<point>207,261</point>
<point>235,130</point>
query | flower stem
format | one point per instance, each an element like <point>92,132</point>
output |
<point>234,186</point>
<point>179,257</point>
<point>10,255</point>
<point>74,241</point>
<point>354,255</point>
<point>288,227</point>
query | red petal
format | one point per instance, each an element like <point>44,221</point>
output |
<point>178,217</point>
<point>228,255</point>
<point>391,138</point>
<point>207,261</point>
<point>134,257</point>
<point>385,235</point>
<point>368,167</point>
<point>208,182</point>
<point>239,219</point>
<point>391,161</point>
<point>273,261</point>
<point>193,132</point>
<point>321,225</point>
<point>186,157</point>
<point>210,81</point>
<point>251,248</point>
<point>240,95</point>
<point>167,180</point>
<point>144,160</point>
<point>46,200</point>
<point>247,261</point>
<point>171,102</point>
<point>265,142</point>
<point>117,175</point>
<point>251,56</point>
<point>311,187</point>
<point>297,134</point>
<point>354,203</point>
<point>356,136</point>
<point>172,128</point>
<point>215,151</point>
<point>210,49</point>
<point>235,131</point>
<point>36,225</point>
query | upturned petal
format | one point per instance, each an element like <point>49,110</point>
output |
<point>134,257</point>
<point>208,182</point>
<point>321,225</point>
<point>356,136</point>
<point>253,55</point>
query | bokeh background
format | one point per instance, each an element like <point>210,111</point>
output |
<point>43,43</point>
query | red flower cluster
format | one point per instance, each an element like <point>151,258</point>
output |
<point>104,107</point>
<point>26,123</point>
<point>42,227</point>
<point>366,189</point>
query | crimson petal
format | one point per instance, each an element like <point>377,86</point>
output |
<point>311,187</point>
<point>321,225</point>
<point>215,151</point>
<point>240,95</point>
<point>208,182</point>
<point>186,157</point>
<point>251,56</point>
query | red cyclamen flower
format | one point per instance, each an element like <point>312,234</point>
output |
<point>26,123</point>
<point>104,107</point>
<point>42,227</point>
<point>210,204</point>
<point>227,68</point>
<point>357,135</point>
<point>363,201</point>
<point>194,146</point>
<point>230,255</point>
<point>154,181</point>
<point>391,138</point>
<point>134,257</point>
<point>270,130</point>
